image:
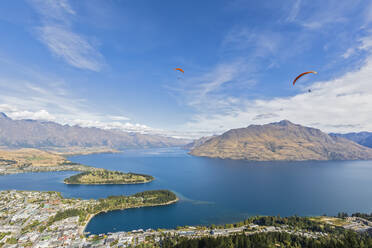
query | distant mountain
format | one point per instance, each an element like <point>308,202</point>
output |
<point>41,134</point>
<point>281,141</point>
<point>197,142</point>
<point>362,138</point>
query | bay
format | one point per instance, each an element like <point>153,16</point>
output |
<point>213,190</point>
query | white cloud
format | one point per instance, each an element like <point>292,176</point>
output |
<point>57,35</point>
<point>7,107</point>
<point>339,105</point>
<point>38,115</point>
<point>126,126</point>
<point>96,120</point>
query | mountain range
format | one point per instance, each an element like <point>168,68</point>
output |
<point>280,141</point>
<point>46,134</point>
<point>362,138</point>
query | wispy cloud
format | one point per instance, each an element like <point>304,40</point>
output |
<point>363,44</point>
<point>319,14</point>
<point>260,43</point>
<point>341,104</point>
<point>59,10</point>
<point>57,34</point>
<point>118,118</point>
<point>349,52</point>
<point>73,48</point>
<point>368,14</point>
<point>294,11</point>
<point>214,90</point>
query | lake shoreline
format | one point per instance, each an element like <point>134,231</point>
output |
<point>91,216</point>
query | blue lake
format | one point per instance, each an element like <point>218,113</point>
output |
<point>213,190</point>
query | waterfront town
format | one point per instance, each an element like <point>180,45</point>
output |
<point>35,219</point>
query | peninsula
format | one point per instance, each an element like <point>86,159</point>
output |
<point>46,219</point>
<point>102,176</point>
<point>33,160</point>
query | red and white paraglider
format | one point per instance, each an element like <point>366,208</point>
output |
<point>302,74</point>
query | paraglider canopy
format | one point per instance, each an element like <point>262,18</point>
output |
<point>302,74</point>
<point>179,69</point>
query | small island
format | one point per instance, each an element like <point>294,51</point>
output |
<point>102,176</point>
<point>33,160</point>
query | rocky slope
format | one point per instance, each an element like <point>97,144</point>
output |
<point>40,134</point>
<point>281,141</point>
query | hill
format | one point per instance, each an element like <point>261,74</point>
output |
<point>362,138</point>
<point>281,141</point>
<point>41,134</point>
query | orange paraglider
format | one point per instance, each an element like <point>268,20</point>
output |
<point>302,74</point>
<point>179,69</point>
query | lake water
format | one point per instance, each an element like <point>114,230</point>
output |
<point>214,190</point>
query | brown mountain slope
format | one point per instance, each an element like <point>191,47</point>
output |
<point>281,141</point>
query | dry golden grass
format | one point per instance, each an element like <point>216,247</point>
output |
<point>330,220</point>
<point>33,157</point>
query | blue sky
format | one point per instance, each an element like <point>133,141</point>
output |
<point>109,64</point>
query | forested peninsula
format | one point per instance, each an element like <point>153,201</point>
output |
<point>103,176</point>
